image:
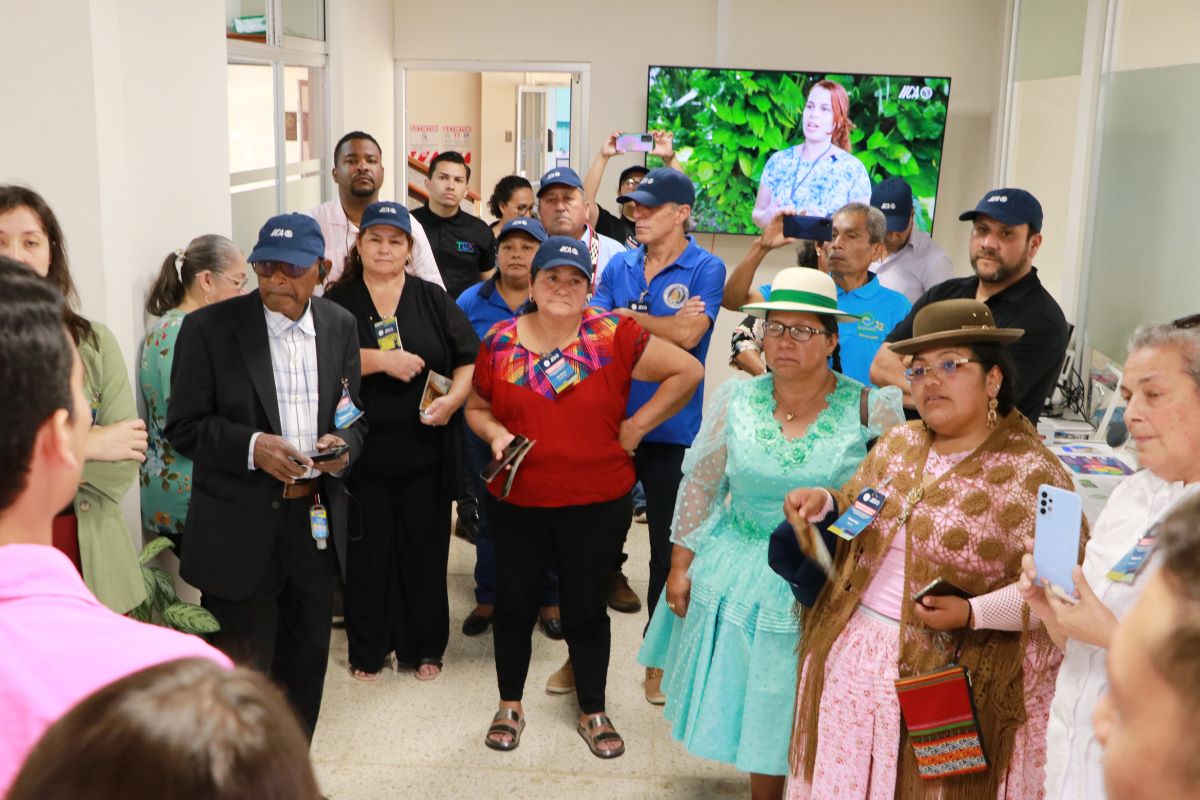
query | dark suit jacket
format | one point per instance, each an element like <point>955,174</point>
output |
<point>222,392</point>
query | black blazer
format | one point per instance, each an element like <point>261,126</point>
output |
<point>222,392</point>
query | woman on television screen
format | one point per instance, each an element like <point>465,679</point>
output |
<point>818,176</point>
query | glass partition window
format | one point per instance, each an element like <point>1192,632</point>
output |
<point>304,18</point>
<point>303,121</point>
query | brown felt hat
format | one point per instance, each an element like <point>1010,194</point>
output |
<point>951,322</point>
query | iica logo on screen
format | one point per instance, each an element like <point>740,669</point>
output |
<point>911,92</point>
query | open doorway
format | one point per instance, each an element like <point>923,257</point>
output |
<point>505,119</point>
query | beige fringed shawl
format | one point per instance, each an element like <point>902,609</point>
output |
<point>968,527</point>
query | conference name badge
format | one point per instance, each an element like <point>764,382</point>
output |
<point>346,413</point>
<point>639,306</point>
<point>859,515</point>
<point>387,333</point>
<point>558,371</point>
<point>1127,569</point>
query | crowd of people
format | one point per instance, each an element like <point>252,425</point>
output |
<point>540,379</point>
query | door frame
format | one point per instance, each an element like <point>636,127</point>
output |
<point>580,98</point>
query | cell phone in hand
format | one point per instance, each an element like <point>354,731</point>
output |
<point>819,229</point>
<point>635,143</point>
<point>940,587</point>
<point>328,454</point>
<point>1056,539</point>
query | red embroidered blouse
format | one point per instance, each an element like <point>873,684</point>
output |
<point>577,459</point>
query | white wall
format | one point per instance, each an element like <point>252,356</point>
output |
<point>361,79</point>
<point>123,131</point>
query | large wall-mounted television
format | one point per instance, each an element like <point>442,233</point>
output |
<point>728,123</point>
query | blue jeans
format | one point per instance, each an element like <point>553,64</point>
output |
<point>478,454</point>
<point>639,497</point>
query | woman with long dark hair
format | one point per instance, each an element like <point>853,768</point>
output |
<point>92,531</point>
<point>211,269</point>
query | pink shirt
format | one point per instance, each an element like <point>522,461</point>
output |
<point>58,644</point>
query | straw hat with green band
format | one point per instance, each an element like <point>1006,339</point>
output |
<point>802,289</point>
<point>954,322</point>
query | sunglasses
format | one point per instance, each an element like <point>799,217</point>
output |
<point>265,269</point>
<point>1190,321</point>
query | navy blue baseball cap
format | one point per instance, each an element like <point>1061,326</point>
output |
<point>1010,206</point>
<point>291,238</point>
<point>893,196</point>
<point>559,176</point>
<point>386,212</point>
<point>662,185</point>
<point>526,225</point>
<point>562,251</point>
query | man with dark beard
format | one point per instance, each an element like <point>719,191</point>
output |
<point>1005,237</point>
<point>358,174</point>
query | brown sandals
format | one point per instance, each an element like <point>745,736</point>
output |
<point>509,721</point>
<point>594,739</point>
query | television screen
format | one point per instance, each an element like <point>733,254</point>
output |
<point>754,141</point>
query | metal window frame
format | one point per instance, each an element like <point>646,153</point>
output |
<point>280,52</point>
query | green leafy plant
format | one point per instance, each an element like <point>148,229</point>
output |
<point>727,123</point>
<point>162,605</point>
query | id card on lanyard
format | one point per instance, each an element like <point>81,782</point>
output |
<point>594,254</point>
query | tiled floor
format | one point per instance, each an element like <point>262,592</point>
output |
<point>401,738</point>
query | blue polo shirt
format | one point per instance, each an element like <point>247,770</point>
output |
<point>484,306</point>
<point>882,309</point>
<point>696,273</point>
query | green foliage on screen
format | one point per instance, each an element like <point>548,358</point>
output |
<point>727,123</point>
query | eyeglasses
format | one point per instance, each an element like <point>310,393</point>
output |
<point>238,283</point>
<point>265,269</point>
<point>801,333</point>
<point>632,182</point>
<point>523,208</point>
<point>1183,323</point>
<point>946,369</point>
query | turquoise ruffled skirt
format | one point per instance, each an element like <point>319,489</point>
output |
<point>729,667</point>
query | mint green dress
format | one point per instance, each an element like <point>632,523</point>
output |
<point>729,666</point>
<point>166,476</point>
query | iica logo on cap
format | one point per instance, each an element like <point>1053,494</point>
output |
<point>284,232</point>
<point>520,221</point>
<point>648,181</point>
<point>566,248</point>
<point>998,198</point>
<point>386,210</point>
<point>554,174</point>
<point>887,206</point>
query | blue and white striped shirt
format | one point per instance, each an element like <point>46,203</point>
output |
<point>294,361</point>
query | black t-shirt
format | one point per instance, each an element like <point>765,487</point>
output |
<point>463,246</point>
<point>618,228</point>
<point>433,327</point>
<point>1026,304</point>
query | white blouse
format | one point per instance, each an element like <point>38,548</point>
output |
<point>1073,756</point>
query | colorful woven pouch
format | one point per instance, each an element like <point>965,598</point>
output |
<point>939,711</point>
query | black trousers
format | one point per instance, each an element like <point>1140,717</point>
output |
<point>396,570</point>
<point>282,629</point>
<point>580,542</point>
<point>660,469</point>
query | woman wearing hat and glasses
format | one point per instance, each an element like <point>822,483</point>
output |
<point>559,375</point>
<point>408,329</point>
<point>961,487</point>
<point>726,635</point>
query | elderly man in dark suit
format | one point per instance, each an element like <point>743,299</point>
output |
<point>264,400</point>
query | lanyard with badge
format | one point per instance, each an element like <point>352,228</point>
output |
<point>1127,569</point>
<point>318,522</point>
<point>387,334</point>
<point>640,305</point>
<point>558,371</point>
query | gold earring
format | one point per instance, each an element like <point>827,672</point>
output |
<point>992,416</point>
